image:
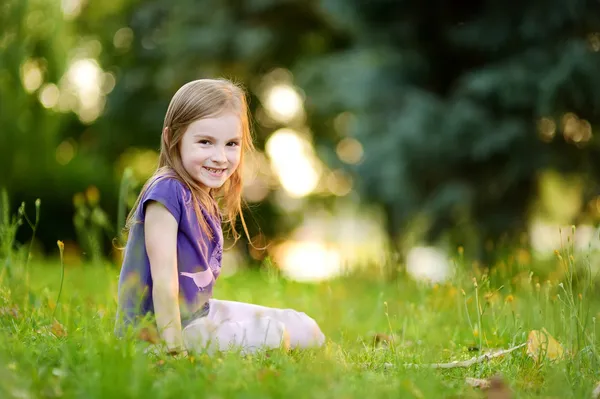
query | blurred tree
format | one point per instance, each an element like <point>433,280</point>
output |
<point>34,44</point>
<point>458,106</point>
<point>154,47</point>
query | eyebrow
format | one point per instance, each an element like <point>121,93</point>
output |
<point>208,136</point>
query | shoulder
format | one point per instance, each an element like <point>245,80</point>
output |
<point>168,191</point>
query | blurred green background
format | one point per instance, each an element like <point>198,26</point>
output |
<point>389,132</point>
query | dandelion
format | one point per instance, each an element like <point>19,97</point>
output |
<point>509,299</point>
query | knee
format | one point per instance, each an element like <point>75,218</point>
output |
<point>303,330</point>
<point>269,333</point>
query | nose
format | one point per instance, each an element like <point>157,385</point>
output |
<point>218,155</point>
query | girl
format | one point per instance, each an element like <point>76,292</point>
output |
<point>173,254</point>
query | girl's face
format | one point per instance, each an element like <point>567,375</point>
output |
<point>210,149</point>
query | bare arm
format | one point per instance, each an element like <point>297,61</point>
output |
<point>160,229</point>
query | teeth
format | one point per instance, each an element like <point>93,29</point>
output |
<point>214,170</point>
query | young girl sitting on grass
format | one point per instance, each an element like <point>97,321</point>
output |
<point>173,254</point>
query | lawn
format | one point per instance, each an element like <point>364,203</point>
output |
<point>382,337</point>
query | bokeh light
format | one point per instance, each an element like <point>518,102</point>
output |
<point>49,95</point>
<point>283,103</point>
<point>349,150</point>
<point>308,261</point>
<point>576,130</point>
<point>123,38</point>
<point>65,152</point>
<point>71,8</point>
<point>31,75</point>
<point>293,161</point>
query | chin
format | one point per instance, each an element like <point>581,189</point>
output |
<point>212,185</point>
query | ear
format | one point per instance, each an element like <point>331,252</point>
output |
<point>166,137</point>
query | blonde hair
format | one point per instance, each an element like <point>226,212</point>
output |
<point>199,99</point>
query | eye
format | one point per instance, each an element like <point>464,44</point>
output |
<point>233,143</point>
<point>203,142</point>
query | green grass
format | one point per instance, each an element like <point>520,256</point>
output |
<point>429,324</point>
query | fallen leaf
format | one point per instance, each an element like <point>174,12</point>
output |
<point>382,339</point>
<point>149,335</point>
<point>478,382</point>
<point>541,344</point>
<point>58,329</point>
<point>498,389</point>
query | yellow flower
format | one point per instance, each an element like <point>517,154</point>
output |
<point>509,299</point>
<point>61,245</point>
<point>93,195</point>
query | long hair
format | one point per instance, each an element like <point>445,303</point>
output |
<point>199,99</point>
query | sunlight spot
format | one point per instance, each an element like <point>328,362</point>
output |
<point>92,49</point>
<point>339,183</point>
<point>576,130</point>
<point>31,75</point>
<point>81,87</point>
<point>294,162</point>
<point>71,8</point>
<point>546,129</point>
<point>85,75</point>
<point>308,261</point>
<point>65,152</point>
<point>349,237</point>
<point>108,82</point>
<point>349,150</point>
<point>546,237</point>
<point>123,38</point>
<point>49,95</point>
<point>343,123</point>
<point>283,103</point>
<point>428,264</point>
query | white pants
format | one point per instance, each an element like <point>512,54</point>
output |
<point>248,327</point>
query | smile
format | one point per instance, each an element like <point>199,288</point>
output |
<point>214,171</point>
